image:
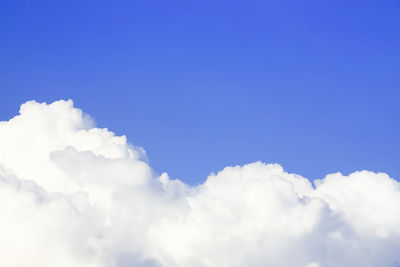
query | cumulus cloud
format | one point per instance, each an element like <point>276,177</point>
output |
<point>75,195</point>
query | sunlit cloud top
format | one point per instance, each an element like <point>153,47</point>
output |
<point>72,194</point>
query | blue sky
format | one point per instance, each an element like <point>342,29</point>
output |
<point>205,84</point>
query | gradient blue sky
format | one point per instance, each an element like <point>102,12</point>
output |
<point>205,84</point>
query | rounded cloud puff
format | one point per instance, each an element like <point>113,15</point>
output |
<point>75,195</point>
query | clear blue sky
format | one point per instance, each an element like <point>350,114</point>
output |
<point>312,85</point>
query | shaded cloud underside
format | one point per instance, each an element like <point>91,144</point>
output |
<point>75,195</point>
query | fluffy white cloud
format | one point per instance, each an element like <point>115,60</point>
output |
<point>75,195</point>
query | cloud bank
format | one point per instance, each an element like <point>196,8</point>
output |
<point>75,195</point>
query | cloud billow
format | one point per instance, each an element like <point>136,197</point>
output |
<point>75,195</point>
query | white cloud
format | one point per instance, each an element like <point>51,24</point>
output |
<point>75,195</point>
